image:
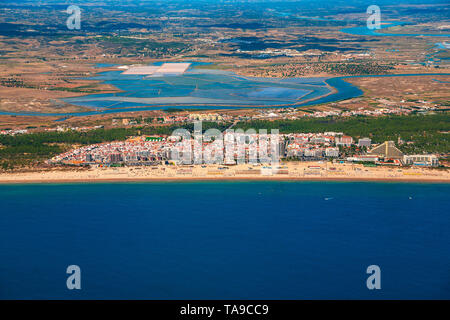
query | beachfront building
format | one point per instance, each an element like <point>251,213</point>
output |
<point>141,150</point>
<point>427,160</point>
<point>387,150</point>
<point>115,158</point>
<point>312,146</point>
<point>363,158</point>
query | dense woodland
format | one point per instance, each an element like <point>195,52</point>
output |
<point>420,133</point>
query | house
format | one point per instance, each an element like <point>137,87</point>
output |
<point>344,141</point>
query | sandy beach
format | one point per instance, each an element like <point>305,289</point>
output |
<point>284,171</point>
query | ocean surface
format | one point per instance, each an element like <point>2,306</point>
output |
<point>225,240</point>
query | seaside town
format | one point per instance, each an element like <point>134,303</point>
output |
<point>160,153</point>
<point>111,100</point>
<point>299,155</point>
<point>334,146</point>
<point>310,156</point>
<point>190,152</point>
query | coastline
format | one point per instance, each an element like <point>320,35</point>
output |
<point>292,171</point>
<point>195,179</point>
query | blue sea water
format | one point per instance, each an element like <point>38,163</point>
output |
<point>225,240</point>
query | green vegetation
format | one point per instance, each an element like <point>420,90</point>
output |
<point>287,70</point>
<point>79,89</point>
<point>135,46</point>
<point>356,68</point>
<point>421,133</point>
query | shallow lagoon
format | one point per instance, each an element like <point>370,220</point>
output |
<point>201,87</point>
<point>210,89</point>
<point>364,31</point>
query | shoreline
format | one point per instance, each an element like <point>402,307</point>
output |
<point>222,179</point>
<point>292,171</point>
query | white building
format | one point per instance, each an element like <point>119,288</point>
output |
<point>363,158</point>
<point>365,142</point>
<point>332,152</point>
<point>428,160</point>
